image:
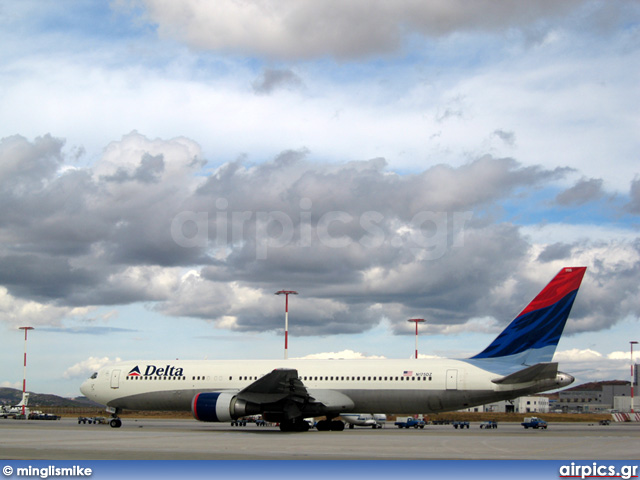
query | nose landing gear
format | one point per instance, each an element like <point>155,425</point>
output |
<point>115,421</point>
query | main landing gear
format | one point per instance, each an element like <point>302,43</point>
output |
<point>301,425</point>
<point>294,425</point>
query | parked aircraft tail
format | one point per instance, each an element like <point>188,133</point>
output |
<point>532,337</point>
<point>24,401</point>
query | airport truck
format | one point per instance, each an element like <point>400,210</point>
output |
<point>534,422</point>
<point>410,422</point>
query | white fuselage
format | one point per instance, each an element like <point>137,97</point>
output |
<point>407,386</point>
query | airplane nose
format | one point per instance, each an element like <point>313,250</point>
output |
<point>85,388</point>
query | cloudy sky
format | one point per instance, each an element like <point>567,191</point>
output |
<point>166,167</point>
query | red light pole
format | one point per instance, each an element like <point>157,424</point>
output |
<point>24,371</point>
<point>632,343</point>
<point>417,321</point>
<point>286,319</point>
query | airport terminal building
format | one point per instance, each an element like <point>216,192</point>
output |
<point>596,397</point>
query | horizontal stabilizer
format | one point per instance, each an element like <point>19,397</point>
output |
<point>540,371</point>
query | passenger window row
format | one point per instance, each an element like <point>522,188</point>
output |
<point>304,378</point>
<point>350,379</point>
<point>375,379</point>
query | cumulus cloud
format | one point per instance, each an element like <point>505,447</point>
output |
<point>624,356</point>
<point>6,384</point>
<point>306,28</point>
<point>275,79</point>
<point>577,355</point>
<point>633,206</point>
<point>17,311</point>
<point>507,137</point>
<point>148,223</point>
<point>477,325</point>
<point>344,354</point>
<point>555,251</point>
<point>25,165</point>
<point>586,190</point>
<point>591,365</point>
<point>86,367</point>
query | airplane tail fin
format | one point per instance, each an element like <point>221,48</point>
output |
<point>25,400</point>
<point>533,335</point>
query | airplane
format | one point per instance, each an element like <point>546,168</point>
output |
<point>517,363</point>
<point>373,420</point>
<point>19,409</point>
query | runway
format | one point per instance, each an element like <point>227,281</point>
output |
<point>154,439</point>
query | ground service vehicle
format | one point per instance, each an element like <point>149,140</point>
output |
<point>410,422</point>
<point>534,422</point>
<point>489,424</point>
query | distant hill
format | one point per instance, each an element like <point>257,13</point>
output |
<point>12,396</point>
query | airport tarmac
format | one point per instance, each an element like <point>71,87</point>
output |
<point>150,439</point>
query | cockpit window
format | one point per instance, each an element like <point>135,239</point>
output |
<point>94,376</point>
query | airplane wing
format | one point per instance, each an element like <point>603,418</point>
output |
<point>280,384</point>
<point>539,371</point>
<point>279,396</point>
<point>282,390</point>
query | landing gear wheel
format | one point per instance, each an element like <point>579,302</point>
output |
<point>337,426</point>
<point>323,426</point>
<point>333,425</point>
<point>294,425</point>
<point>115,422</point>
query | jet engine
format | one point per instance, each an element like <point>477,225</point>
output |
<point>221,407</point>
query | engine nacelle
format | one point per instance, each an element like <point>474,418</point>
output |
<point>221,407</point>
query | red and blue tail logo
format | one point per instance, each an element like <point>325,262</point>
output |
<point>135,372</point>
<point>533,335</point>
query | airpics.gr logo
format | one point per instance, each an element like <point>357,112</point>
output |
<point>152,370</point>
